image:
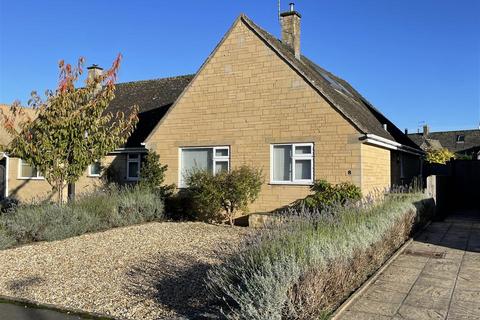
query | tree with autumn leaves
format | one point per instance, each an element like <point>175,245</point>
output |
<point>71,128</point>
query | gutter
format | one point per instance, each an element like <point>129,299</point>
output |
<point>129,150</point>
<point>389,144</point>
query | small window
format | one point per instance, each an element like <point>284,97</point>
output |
<point>26,171</point>
<point>133,166</point>
<point>292,163</point>
<point>95,169</point>
<point>213,159</point>
<point>460,138</point>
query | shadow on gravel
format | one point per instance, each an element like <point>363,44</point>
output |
<point>22,285</point>
<point>176,282</point>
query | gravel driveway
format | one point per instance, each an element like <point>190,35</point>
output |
<point>149,271</point>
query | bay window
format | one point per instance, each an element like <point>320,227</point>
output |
<point>291,163</point>
<point>212,159</point>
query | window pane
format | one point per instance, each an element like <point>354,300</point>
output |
<point>196,159</point>
<point>27,170</point>
<point>95,168</point>
<point>221,166</point>
<point>303,150</point>
<point>282,163</point>
<point>303,169</point>
<point>133,169</point>
<point>221,153</point>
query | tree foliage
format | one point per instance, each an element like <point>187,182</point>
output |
<point>152,175</point>
<point>225,193</point>
<point>71,128</point>
<point>439,156</point>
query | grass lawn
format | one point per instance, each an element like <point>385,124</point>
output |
<point>149,271</point>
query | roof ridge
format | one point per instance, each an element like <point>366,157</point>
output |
<point>191,75</point>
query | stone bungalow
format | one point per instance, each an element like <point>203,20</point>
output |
<point>257,100</point>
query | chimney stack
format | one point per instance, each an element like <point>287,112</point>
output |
<point>406,131</point>
<point>426,130</point>
<point>94,71</point>
<point>290,22</point>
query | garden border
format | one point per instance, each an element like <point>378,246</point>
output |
<point>46,306</point>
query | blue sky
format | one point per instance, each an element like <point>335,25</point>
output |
<point>416,60</point>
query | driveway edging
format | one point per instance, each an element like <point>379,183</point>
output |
<point>70,311</point>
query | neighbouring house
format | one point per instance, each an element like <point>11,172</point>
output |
<point>257,100</point>
<point>153,97</point>
<point>461,142</point>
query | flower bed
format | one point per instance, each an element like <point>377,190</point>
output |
<point>304,267</point>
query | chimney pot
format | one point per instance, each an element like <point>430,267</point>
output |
<point>290,22</point>
<point>426,130</point>
<point>94,71</point>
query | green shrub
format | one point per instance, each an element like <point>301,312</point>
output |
<point>100,210</point>
<point>328,195</point>
<point>306,266</point>
<point>222,195</point>
<point>152,175</point>
<point>205,195</point>
<point>6,240</point>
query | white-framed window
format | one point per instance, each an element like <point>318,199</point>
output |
<point>133,166</point>
<point>291,163</point>
<point>213,159</point>
<point>26,171</point>
<point>95,169</point>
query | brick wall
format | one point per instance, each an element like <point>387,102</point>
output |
<point>248,98</point>
<point>375,169</point>
<point>38,189</point>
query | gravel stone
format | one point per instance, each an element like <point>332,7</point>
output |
<point>150,271</point>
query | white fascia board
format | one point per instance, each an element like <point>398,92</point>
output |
<point>389,144</point>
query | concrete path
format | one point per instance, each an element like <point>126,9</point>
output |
<point>436,277</point>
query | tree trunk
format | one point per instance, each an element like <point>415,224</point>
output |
<point>60,187</point>
<point>71,192</point>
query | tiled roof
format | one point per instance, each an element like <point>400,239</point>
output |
<point>153,97</point>
<point>362,114</point>
<point>448,139</point>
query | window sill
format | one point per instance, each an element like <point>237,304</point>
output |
<point>30,178</point>
<point>93,176</point>
<point>289,183</point>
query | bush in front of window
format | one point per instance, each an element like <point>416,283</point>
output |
<point>152,175</point>
<point>221,196</point>
<point>328,195</point>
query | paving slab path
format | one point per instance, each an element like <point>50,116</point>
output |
<point>436,277</point>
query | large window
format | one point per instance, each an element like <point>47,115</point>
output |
<point>291,163</point>
<point>213,159</point>
<point>133,166</point>
<point>95,169</point>
<point>26,171</point>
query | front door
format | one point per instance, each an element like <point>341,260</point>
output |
<point>2,179</point>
